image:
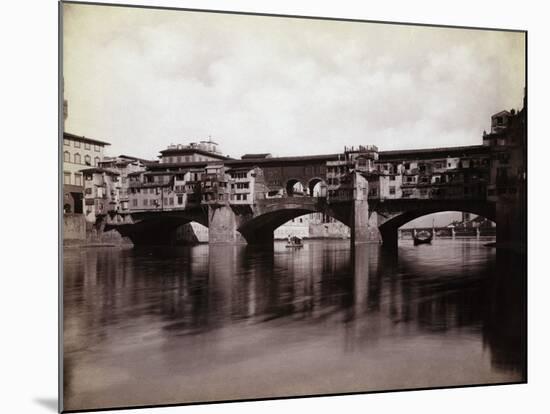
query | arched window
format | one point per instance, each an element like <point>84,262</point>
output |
<point>77,159</point>
<point>66,156</point>
<point>96,161</point>
<point>88,160</point>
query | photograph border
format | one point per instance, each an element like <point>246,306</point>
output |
<point>242,13</point>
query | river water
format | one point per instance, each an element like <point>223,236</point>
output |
<point>166,325</point>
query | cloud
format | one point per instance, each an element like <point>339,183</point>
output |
<point>142,79</point>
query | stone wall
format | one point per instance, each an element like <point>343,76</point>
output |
<point>74,227</point>
<point>95,235</point>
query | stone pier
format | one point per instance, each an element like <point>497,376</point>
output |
<point>222,226</point>
<point>360,214</point>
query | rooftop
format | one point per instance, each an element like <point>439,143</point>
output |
<point>254,156</point>
<point>98,171</point>
<point>68,135</point>
<point>433,152</point>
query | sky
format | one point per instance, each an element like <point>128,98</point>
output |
<point>142,79</point>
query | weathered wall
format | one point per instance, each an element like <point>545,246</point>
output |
<point>222,225</point>
<point>111,237</point>
<point>74,227</point>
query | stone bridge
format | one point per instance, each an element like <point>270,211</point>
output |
<point>371,192</point>
<point>369,220</point>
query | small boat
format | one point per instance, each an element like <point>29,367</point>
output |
<point>294,242</point>
<point>423,237</point>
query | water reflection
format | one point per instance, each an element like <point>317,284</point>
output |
<point>179,324</point>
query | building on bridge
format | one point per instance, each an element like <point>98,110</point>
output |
<point>181,188</point>
<point>101,192</point>
<point>123,165</point>
<point>247,184</point>
<point>106,186</point>
<point>459,172</point>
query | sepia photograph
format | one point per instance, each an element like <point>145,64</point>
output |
<point>258,206</point>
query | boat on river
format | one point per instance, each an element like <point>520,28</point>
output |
<point>423,237</point>
<point>294,242</point>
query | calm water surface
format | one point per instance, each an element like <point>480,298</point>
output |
<point>163,325</point>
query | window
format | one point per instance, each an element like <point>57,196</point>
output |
<point>134,202</point>
<point>77,144</point>
<point>392,177</point>
<point>244,196</point>
<point>77,159</point>
<point>171,201</point>
<point>88,160</point>
<point>96,161</point>
<point>88,191</point>
<point>66,156</point>
<point>87,146</point>
<point>145,202</point>
<point>97,148</point>
<point>67,142</point>
<point>392,190</point>
<point>77,179</point>
<point>180,199</point>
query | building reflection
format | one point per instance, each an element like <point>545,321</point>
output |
<point>364,293</point>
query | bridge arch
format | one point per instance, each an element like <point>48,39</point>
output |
<point>294,186</point>
<point>390,221</point>
<point>314,186</point>
<point>260,228</point>
<point>150,227</point>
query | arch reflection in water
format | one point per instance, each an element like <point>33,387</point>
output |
<point>215,322</point>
